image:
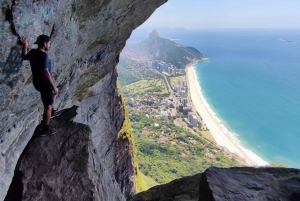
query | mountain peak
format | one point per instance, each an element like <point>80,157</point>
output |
<point>154,33</point>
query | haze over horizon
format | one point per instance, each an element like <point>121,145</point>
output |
<point>232,14</point>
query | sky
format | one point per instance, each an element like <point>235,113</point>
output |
<point>216,14</point>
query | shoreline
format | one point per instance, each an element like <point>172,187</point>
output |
<point>217,130</point>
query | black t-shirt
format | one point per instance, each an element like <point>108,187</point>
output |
<point>39,60</point>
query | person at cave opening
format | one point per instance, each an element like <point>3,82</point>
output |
<point>42,79</point>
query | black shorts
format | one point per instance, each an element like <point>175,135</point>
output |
<point>47,93</point>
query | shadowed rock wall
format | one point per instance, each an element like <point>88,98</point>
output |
<point>87,38</point>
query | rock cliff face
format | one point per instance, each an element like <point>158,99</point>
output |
<point>66,166</point>
<point>87,38</point>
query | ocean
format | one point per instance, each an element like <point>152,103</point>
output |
<point>251,82</point>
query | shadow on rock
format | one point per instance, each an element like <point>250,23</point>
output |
<point>54,167</point>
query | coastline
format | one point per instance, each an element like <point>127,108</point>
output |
<point>218,131</point>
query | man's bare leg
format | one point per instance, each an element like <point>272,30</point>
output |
<point>54,113</point>
<point>47,114</point>
<point>54,99</point>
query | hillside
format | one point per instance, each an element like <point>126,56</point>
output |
<point>162,49</point>
<point>168,51</point>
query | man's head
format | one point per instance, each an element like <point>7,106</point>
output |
<point>43,41</point>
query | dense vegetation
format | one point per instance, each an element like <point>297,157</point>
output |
<point>124,69</point>
<point>153,86</point>
<point>131,71</point>
<point>168,152</point>
<point>174,81</point>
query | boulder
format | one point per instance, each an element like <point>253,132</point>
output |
<point>63,166</point>
<point>248,184</point>
<point>181,189</point>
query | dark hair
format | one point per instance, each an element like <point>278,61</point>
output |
<point>41,39</point>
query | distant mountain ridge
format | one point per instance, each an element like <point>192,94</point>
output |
<point>170,52</point>
<point>162,49</point>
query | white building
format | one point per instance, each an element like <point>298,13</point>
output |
<point>178,88</point>
<point>173,71</point>
<point>165,116</point>
<point>181,71</point>
<point>195,121</point>
<point>182,94</point>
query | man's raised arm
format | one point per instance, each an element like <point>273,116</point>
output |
<point>25,45</point>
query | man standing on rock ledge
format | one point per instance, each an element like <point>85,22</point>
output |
<point>42,79</point>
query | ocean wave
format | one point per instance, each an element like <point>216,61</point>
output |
<point>232,136</point>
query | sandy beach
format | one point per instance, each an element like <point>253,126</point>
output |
<point>220,137</point>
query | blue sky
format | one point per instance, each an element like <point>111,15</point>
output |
<point>201,14</point>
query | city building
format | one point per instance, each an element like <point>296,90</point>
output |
<point>186,110</point>
<point>165,116</point>
<point>173,71</point>
<point>180,108</point>
<point>166,103</point>
<point>184,102</point>
<point>190,117</point>
<point>194,121</point>
<point>178,88</point>
<point>159,67</point>
<point>182,94</point>
<point>181,71</point>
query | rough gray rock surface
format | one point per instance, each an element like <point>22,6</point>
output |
<point>248,184</point>
<point>62,167</point>
<point>55,167</point>
<point>230,184</point>
<point>87,38</point>
<point>183,189</point>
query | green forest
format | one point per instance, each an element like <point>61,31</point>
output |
<point>180,153</point>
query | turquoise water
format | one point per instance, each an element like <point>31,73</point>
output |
<point>252,82</point>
